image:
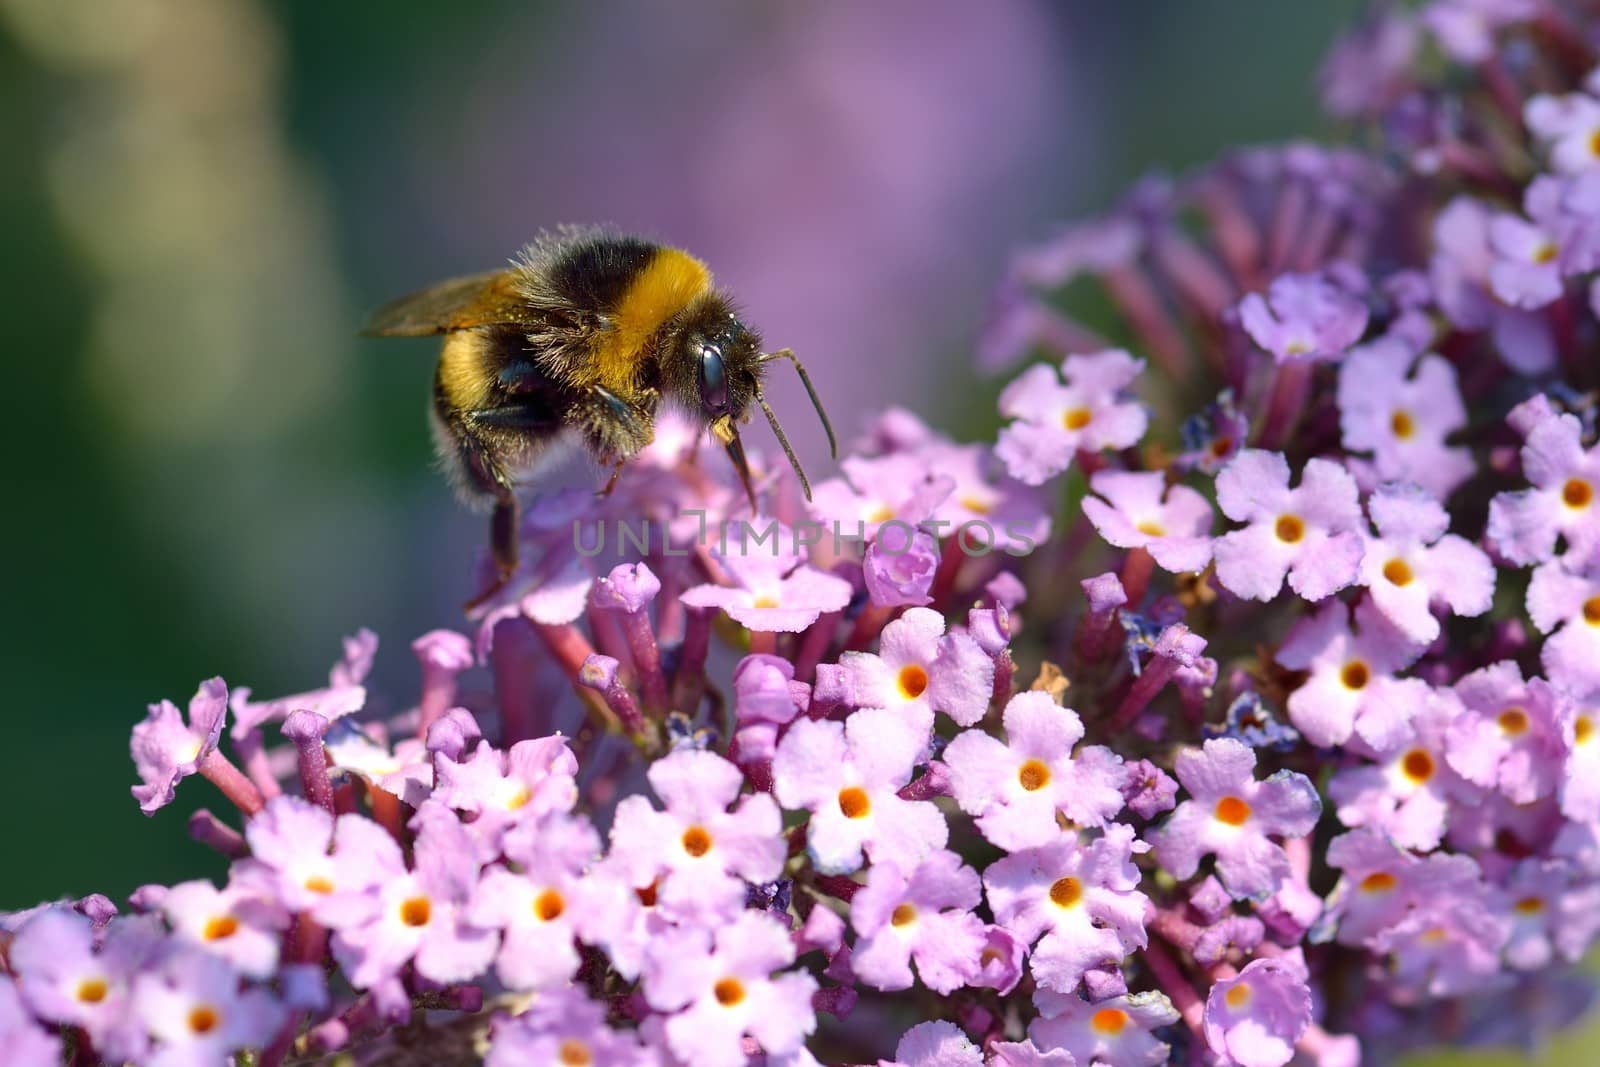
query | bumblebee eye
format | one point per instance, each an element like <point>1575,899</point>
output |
<point>713,380</point>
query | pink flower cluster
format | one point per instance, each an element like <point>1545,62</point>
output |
<point>1267,740</point>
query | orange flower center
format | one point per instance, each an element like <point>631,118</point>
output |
<point>1545,253</point>
<point>519,799</point>
<point>203,1018</point>
<point>416,911</point>
<point>318,883</point>
<point>1109,1021</point>
<point>1077,418</point>
<point>1402,425</point>
<point>220,928</point>
<point>92,990</point>
<point>1583,728</point>
<point>1355,675</point>
<point>764,600</point>
<point>1397,572</point>
<point>574,1053</point>
<point>1529,906</point>
<point>904,915</point>
<point>854,802</point>
<point>549,905</point>
<point>913,681</point>
<point>1232,811</point>
<point>1290,529</point>
<point>1066,892</point>
<point>1417,765</point>
<point>1514,721</point>
<point>1379,882</point>
<point>1577,493</point>
<point>1237,996</point>
<point>1591,611</point>
<point>1033,775</point>
<point>728,991</point>
<point>1152,529</point>
<point>696,841</point>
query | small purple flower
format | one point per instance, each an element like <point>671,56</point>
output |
<point>501,789</point>
<point>1233,816</point>
<point>1054,421</point>
<point>167,750</point>
<point>1402,416</point>
<point>1017,787</point>
<point>534,908</point>
<point>418,914</point>
<point>406,771</point>
<point>1413,564</point>
<point>1580,783</point>
<point>1304,316</point>
<point>563,1027</point>
<point>1254,1019</point>
<point>1411,790</point>
<point>1351,686</point>
<point>899,567</point>
<point>1311,533</point>
<point>1081,903</point>
<point>23,1043</point>
<point>1569,127</point>
<point>925,915</point>
<point>1526,272</point>
<point>918,670</point>
<point>1115,1032</point>
<point>1147,789</point>
<point>66,978</point>
<point>1565,603</point>
<point>291,863</point>
<point>997,510</point>
<point>900,487</point>
<point>774,590</point>
<point>848,775</point>
<point>344,695</point>
<point>1553,914</point>
<point>1564,500</point>
<point>1175,531</point>
<point>1459,270</point>
<point>765,697</point>
<point>1508,736</point>
<point>1381,883</point>
<point>721,987</point>
<point>702,853</point>
<point>1448,945</point>
<point>935,1044</point>
<point>236,924</point>
<point>198,1015</point>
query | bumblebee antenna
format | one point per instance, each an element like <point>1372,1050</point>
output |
<point>816,402</point>
<point>725,431</point>
<point>788,450</point>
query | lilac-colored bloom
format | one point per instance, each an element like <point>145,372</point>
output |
<point>765,697</point>
<point>918,670</point>
<point>899,567</point>
<point>237,924</point>
<point>721,986</point>
<point>1526,272</point>
<point>996,510</point>
<point>1148,789</point>
<point>1409,792</point>
<point>1081,903</point>
<point>1508,736</point>
<point>406,771</point>
<point>1382,883</point>
<point>23,1043</point>
<point>65,977</point>
<point>1017,787</point>
<point>900,487</point>
<point>1115,1032</point>
<point>1311,532</point>
<point>935,1044</point>
<point>563,1027</point>
<point>1569,127</point>
<point>1565,603</point>
<point>418,914</point>
<point>1304,316</point>
<point>344,694</point>
<point>501,789</point>
<point>1351,685</point>
<point>1449,945</point>
<point>1466,29</point>
<point>702,852</point>
<point>1254,1019</point>
<point>1564,500</point>
<point>925,915</point>
<point>198,1015</point>
<point>1402,415</point>
<point>1057,416</point>
<point>1001,962</point>
<point>1413,565</point>
<point>1233,816</point>
<point>534,908</point>
<point>1553,914</point>
<point>848,775</point>
<point>1175,531</point>
<point>290,841</point>
<point>166,749</point>
<point>774,589</point>
<point>1580,782</point>
<point>1459,270</point>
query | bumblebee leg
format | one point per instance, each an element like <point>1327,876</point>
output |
<point>503,535</point>
<point>611,482</point>
<point>616,431</point>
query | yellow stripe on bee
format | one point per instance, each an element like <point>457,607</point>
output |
<point>666,285</point>
<point>463,374</point>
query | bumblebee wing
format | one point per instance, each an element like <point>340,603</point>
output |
<point>458,304</point>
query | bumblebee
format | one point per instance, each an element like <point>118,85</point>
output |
<point>583,335</point>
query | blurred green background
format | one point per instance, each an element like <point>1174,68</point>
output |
<point>208,472</point>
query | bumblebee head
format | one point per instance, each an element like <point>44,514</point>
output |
<point>727,359</point>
